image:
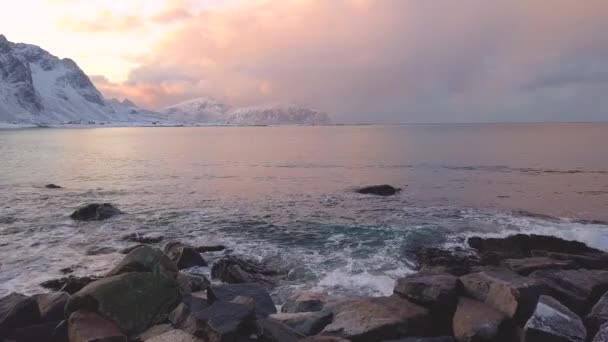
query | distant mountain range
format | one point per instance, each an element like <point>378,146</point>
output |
<point>39,88</point>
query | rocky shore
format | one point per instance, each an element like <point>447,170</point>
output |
<point>527,288</point>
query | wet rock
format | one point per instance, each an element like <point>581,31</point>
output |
<point>576,289</point>
<point>452,262</point>
<point>95,212</point>
<point>210,248</point>
<point>602,334</point>
<point>154,331</point>
<point>86,326</point>
<point>130,249</point>
<point>598,315</point>
<point>99,250</point>
<point>305,323</point>
<point>143,239</point>
<point>52,186</point>
<point>425,339</point>
<point>378,190</point>
<point>51,305</point>
<point>377,319</point>
<point>526,266</point>
<point>174,336</point>
<point>228,292</point>
<point>43,332</point>
<point>71,284</point>
<point>17,310</point>
<point>145,259</point>
<point>552,321</point>
<point>270,330</point>
<point>581,260</point>
<point>475,321</point>
<point>135,301</point>
<point>189,283</point>
<point>222,321</point>
<point>522,245</point>
<point>305,302</point>
<point>234,270</point>
<point>505,291</point>
<point>321,338</point>
<point>183,256</point>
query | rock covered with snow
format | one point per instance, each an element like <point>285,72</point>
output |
<point>199,110</point>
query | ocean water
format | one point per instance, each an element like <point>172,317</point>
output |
<point>284,195</point>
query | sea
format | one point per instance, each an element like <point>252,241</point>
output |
<point>285,195</point>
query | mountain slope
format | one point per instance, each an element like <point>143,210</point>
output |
<point>37,87</point>
<point>199,110</point>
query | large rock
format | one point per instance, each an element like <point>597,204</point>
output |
<point>377,319</point>
<point>135,301</point>
<point>305,323</point>
<point>183,256</point>
<point>95,212</point>
<point>52,186</point>
<point>71,284</point>
<point>270,330</point>
<point>437,260</point>
<point>425,339</point>
<point>17,310</point>
<point>378,190</point>
<point>598,315</point>
<point>84,326</point>
<point>153,331</point>
<point>588,262</point>
<point>475,321</point>
<point>189,283</point>
<point>505,291</point>
<point>525,266</point>
<point>602,334</point>
<point>576,289</point>
<point>552,321</point>
<point>322,338</point>
<point>174,336</point>
<point>210,248</point>
<point>145,259</point>
<point>233,270</point>
<point>51,305</point>
<point>221,322</point>
<point>43,332</point>
<point>227,292</point>
<point>306,301</point>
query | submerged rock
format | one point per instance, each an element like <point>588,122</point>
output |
<point>526,266</point>
<point>552,321</point>
<point>52,186</point>
<point>95,212</point>
<point>183,256</point>
<point>378,190</point>
<point>143,239</point>
<point>233,270</point>
<point>210,248</point>
<point>17,310</point>
<point>475,321</point>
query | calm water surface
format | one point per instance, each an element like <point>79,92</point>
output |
<point>284,194</point>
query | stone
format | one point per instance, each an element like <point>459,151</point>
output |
<point>270,330</point>
<point>135,300</point>
<point>576,289</point>
<point>305,323</point>
<point>17,310</point>
<point>86,326</point>
<point>154,331</point>
<point>602,334</point>
<point>222,321</point>
<point>70,284</point>
<point>189,283</point>
<point>305,302</point>
<point>321,338</point>
<point>210,248</point>
<point>378,190</point>
<point>51,305</point>
<point>475,321</point>
<point>95,212</point>
<point>551,321</point>
<point>143,239</point>
<point>233,270</point>
<point>437,260</point>
<point>52,186</point>
<point>582,261</point>
<point>425,339</point>
<point>598,315</point>
<point>174,336</point>
<point>429,289</point>
<point>146,259</point>
<point>43,332</point>
<point>100,250</point>
<point>506,291</point>
<point>227,292</point>
<point>183,256</point>
<point>525,266</point>
<point>377,319</point>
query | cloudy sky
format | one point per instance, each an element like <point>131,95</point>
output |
<point>359,60</point>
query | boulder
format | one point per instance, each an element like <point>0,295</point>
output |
<point>305,323</point>
<point>475,321</point>
<point>583,261</point>
<point>598,315</point>
<point>322,338</point>
<point>43,332</point>
<point>210,248</point>
<point>505,291</point>
<point>154,331</point>
<point>305,302</point>
<point>228,292</point>
<point>71,284</point>
<point>183,256</point>
<point>145,259</point>
<point>130,249</point>
<point>437,260</point>
<point>525,266</point>
<point>425,339</point>
<point>270,330</point>
<point>17,310</point>
<point>602,334</point>
<point>576,289</point>
<point>551,321</point>
<point>233,270</point>
<point>143,239</point>
<point>84,326</point>
<point>52,186</point>
<point>378,190</point>
<point>135,301</point>
<point>174,335</point>
<point>51,305</point>
<point>377,319</point>
<point>189,283</point>
<point>222,321</point>
<point>95,212</point>
<point>100,250</point>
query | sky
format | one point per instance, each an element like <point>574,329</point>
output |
<point>384,61</point>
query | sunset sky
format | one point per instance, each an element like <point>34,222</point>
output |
<point>359,60</point>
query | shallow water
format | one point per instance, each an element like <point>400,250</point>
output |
<point>284,194</point>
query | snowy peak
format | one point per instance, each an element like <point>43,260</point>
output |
<point>201,110</point>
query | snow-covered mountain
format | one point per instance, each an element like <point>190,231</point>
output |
<point>205,110</point>
<point>39,88</point>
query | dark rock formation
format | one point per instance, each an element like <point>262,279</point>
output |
<point>71,284</point>
<point>51,305</point>
<point>143,239</point>
<point>17,310</point>
<point>526,266</point>
<point>602,334</point>
<point>189,283</point>
<point>270,330</point>
<point>226,293</point>
<point>378,190</point>
<point>183,256</point>
<point>145,259</point>
<point>221,322</point>
<point>86,326</point>
<point>552,321</point>
<point>305,302</point>
<point>210,248</point>
<point>475,321</point>
<point>95,212</point>
<point>305,323</point>
<point>598,315</point>
<point>234,270</point>
<point>52,186</point>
